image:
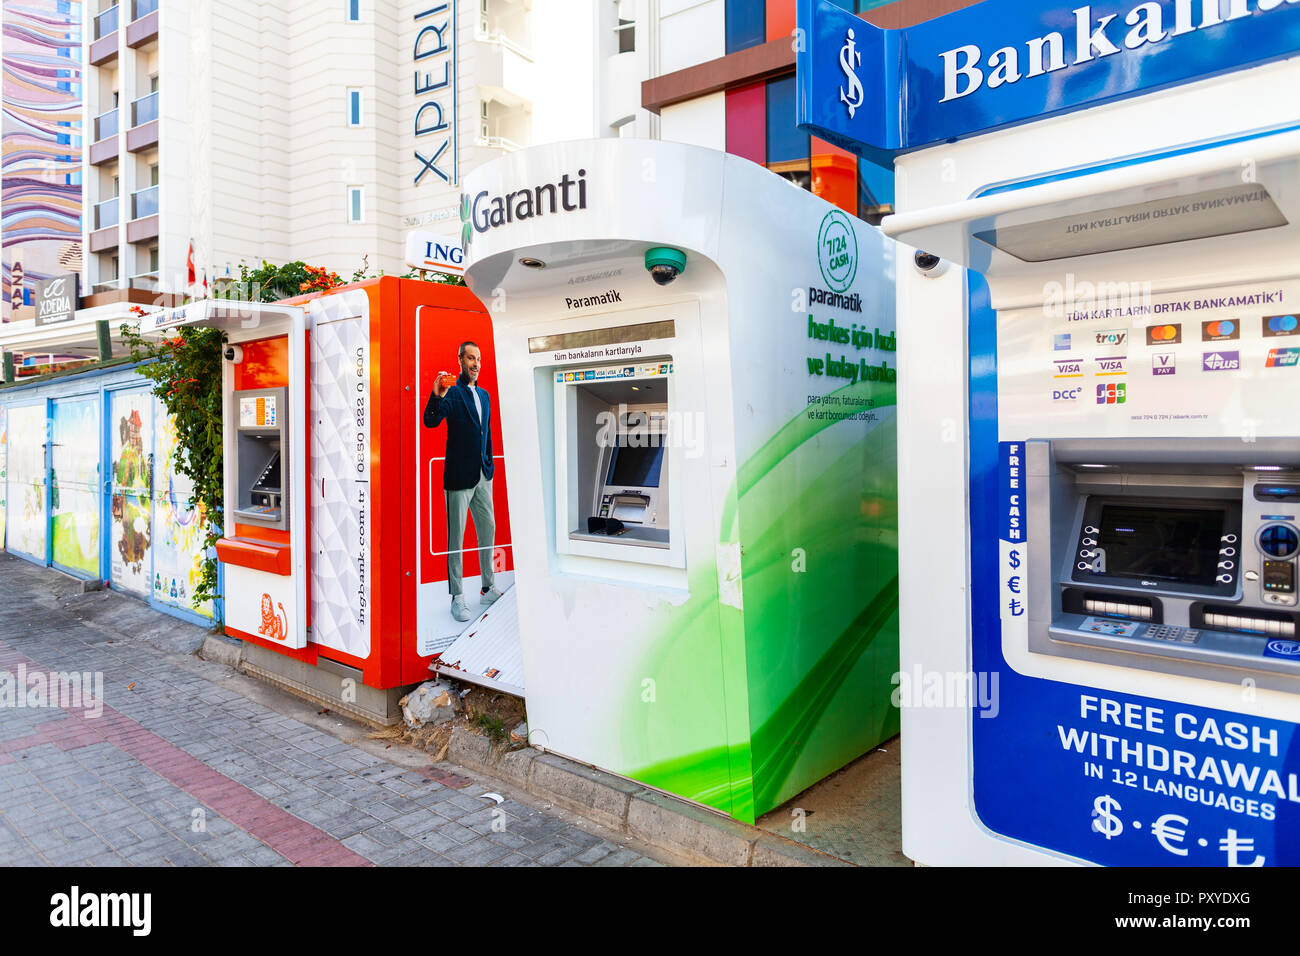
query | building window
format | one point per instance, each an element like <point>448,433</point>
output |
<point>354,11</point>
<point>746,24</point>
<point>626,28</point>
<point>153,174</point>
<point>356,204</point>
<point>153,258</point>
<point>354,107</point>
<point>785,142</point>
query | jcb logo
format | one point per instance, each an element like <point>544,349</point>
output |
<point>1111,394</point>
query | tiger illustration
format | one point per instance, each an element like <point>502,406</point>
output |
<point>275,628</point>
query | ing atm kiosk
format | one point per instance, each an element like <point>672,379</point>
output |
<point>1101,206</point>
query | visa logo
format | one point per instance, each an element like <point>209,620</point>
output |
<point>1220,361</point>
<point>1068,368</point>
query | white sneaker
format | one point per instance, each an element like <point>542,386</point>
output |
<point>489,596</point>
<point>459,609</point>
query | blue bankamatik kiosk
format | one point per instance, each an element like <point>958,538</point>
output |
<point>1098,392</point>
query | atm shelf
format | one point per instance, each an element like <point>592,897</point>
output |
<point>258,555</point>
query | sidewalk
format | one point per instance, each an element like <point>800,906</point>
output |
<point>191,764</point>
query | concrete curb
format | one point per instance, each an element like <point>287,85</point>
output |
<point>222,651</point>
<point>627,807</point>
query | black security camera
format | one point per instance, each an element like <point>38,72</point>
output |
<point>665,264</point>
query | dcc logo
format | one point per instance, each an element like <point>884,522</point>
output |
<point>1066,394</point>
<point>1112,393</point>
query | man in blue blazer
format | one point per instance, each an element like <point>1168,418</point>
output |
<point>467,472</point>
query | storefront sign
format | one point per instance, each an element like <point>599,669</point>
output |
<point>56,300</point>
<point>1004,62</point>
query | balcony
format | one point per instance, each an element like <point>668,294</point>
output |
<point>143,27</point>
<point>144,203</point>
<point>106,213</point>
<point>144,216</point>
<point>497,142</point>
<point>104,47</point>
<point>148,281</point>
<point>144,124</point>
<point>106,23</point>
<point>104,148</point>
<point>506,70</point>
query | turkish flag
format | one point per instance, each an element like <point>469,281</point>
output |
<point>189,261</point>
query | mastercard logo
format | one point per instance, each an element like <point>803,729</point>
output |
<point>1164,334</point>
<point>1281,325</point>
<point>1219,330</point>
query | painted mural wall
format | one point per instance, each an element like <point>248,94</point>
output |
<point>40,175</point>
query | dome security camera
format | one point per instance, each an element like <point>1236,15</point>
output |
<point>665,264</point>
<point>234,354</point>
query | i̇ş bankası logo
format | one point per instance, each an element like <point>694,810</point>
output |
<point>837,250</point>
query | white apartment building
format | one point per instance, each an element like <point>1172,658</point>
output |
<point>325,130</point>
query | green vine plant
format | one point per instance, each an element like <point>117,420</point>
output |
<point>186,371</point>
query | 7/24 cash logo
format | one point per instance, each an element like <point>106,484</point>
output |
<point>837,250</point>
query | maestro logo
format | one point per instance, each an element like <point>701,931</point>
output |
<point>837,250</point>
<point>1220,330</point>
<point>1112,393</point>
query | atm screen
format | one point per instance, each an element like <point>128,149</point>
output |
<point>635,466</point>
<point>1166,544</point>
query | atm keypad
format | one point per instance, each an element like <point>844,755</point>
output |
<point>1173,633</point>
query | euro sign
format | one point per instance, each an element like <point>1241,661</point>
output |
<point>849,59</point>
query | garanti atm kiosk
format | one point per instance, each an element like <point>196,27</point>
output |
<point>1112,544</point>
<point>696,360</point>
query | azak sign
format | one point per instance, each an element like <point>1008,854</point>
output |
<point>1003,62</point>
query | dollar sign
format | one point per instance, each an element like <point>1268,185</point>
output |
<point>849,58</point>
<point>1105,822</point>
<point>1015,559</point>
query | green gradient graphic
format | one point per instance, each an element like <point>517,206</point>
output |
<point>807,667</point>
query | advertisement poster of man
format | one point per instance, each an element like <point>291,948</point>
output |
<point>457,400</point>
